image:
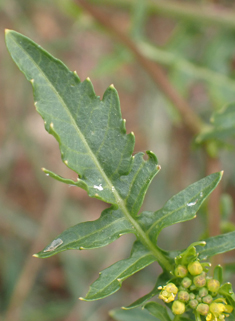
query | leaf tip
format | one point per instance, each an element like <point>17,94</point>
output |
<point>81,299</point>
<point>35,255</point>
<point>51,125</point>
<point>221,173</point>
<point>32,81</point>
<point>159,167</point>
<point>88,79</point>
<point>66,162</point>
<point>7,31</point>
<point>81,248</point>
<point>112,86</point>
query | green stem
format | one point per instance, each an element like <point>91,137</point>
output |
<point>199,13</point>
<point>141,235</point>
<point>167,58</point>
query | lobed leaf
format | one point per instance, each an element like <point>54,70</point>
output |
<point>91,133</point>
<point>110,279</point>
<point>93,142</point>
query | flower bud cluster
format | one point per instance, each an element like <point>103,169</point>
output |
<point>193,289</point>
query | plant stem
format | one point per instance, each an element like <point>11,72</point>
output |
<point>32,265</point>
<point>190,119</point>
<point>167,58</point>
<point>213,165</point>
<point>197,13</point>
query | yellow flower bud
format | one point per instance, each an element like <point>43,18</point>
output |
<point>195,268</point>
<point>181,271</point>
<point>213,285</point>
<point>171,287</point>
<point>193,303</point>
<point>207,299</point>
<point>217,308</point>
<point>178,307</point>
<point>203,308</point>
<point>186,283</point>
<point>203,292</point>
<point>183,296</point>
<point>200,280</point>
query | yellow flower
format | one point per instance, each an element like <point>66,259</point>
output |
<point>168,293</point>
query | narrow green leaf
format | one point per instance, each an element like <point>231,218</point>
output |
<point>68,181</point>
<point>162,279</point>
<point>90,235</point>
<point>110,279</point>
<point>218,273</point>
<point>216,245</point>
<point>223,125</point>
<point>181,207</point>
<point>131,315</point>
<point>158,311</point>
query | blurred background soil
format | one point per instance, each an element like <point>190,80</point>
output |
<point>198,56</point>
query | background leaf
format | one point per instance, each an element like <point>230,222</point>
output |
<point>216,245</point>
<point>157,310</point>
<point>131,315</point>
<point>223,125</point>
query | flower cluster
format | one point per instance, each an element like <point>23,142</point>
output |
<point>192,289</point>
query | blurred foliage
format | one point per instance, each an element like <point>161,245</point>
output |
<point>200,61</point>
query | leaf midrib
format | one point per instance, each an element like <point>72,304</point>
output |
<point>119,201</point>
<point>91,153</point>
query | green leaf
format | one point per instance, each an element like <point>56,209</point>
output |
<point>218,273</point>
<point>216,245</point>
<point>162,279</point>
<point>90,131</point>
<point>223,125</point>
<point>227,291</point>
<point>181,207</point>
<point>158,311</point>
<point>131,315</point>
<point>90,235</point>
<point>110,279</point>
